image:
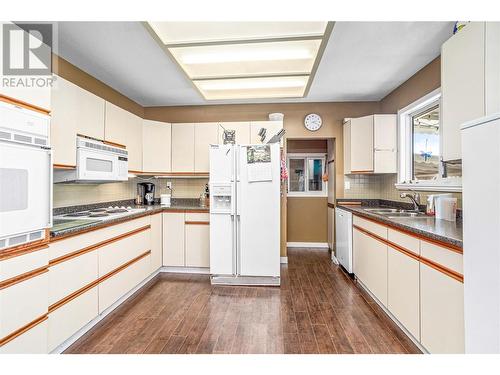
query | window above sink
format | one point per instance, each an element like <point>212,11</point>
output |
<point>420,144</point>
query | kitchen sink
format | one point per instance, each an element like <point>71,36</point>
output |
<point>396,213</point>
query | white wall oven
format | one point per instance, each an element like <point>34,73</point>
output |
<point>25,175</point>
<point>96,162</point>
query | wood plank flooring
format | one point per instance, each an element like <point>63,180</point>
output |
<point>317,309</point>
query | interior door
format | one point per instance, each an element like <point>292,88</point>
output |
<point>25,188</point>
<point>258,215</point>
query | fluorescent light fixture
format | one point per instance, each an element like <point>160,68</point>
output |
<point>253,88</point>
<point>208,32</point>
<point>250,59</point>
<point>245,60</point>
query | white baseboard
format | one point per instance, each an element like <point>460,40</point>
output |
<point>283,260</point>
<point>315,245</point>
<point>199,270</point>
<point>66,344</point>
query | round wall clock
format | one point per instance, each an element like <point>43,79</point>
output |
<point>312,122</point>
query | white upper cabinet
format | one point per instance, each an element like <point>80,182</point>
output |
<point>125,128</point>
<point>385,144</point>
<point>183,148</point>
<point>74,111</point>
<point>370,144</point>
<point>156,146</point>
<point>242,130</point>
<point>470,80</point>
<point>271,127</point>
<point>205,134</point>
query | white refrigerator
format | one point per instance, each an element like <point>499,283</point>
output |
<point>481,227</point>
<point>245,214</point>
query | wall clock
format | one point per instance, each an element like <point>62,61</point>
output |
<point>312,122</point>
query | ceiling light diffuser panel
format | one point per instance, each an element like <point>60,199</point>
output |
<point>251,59</point>
<point>245,60</point>
<point>252,88</point>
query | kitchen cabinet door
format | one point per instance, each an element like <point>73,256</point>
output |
<point>69,318</point>
<point>156,242</point>
<point>156,146</point>
<point>347,147</point>
<point>361,140</point>
<point>74,111</point>
<point>403,290</point>
<point>370,264</point>
<point>173,239</point>
<point>331,229</point>
<point>125,128</point>
<point>197,244</point>
<point>462,84</point>
<point>33,341</point>
<point>385,144</point>
<point>205,134</point>
<point>63,124</point>
<point>183,148</point>
<point>272,127</point>
<point>442,312</point>
<point>242,131</point>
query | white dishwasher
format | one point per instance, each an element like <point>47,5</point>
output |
<point>343,238</point>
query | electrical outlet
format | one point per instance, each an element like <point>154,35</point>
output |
<point>169,185</point>
<point>347,185</point>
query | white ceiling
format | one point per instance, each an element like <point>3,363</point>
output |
<point>363,60</point>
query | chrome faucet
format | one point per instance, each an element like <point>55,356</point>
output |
<point>415,199</point>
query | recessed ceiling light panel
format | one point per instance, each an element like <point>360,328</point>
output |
<point>253,59</point>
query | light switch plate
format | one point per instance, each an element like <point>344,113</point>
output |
<point>347,185</point>
<point>169,185</point>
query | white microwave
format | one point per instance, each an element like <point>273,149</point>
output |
<point>96,162</point>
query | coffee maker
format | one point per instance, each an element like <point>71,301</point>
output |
<point>146,193</point>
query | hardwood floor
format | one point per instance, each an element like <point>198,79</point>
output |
<point>317,309</point>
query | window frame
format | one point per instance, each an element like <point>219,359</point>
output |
<point>307,192</point>
<point>405,150</point>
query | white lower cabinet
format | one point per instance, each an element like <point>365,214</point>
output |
<point>403,290</point>
<point>115,287</point>
<point>69,318</point>
<point>71,275</point>
<point>173,239</point>
<point>198,245</point>
<point>370,264</point>
<point>156,242</point>
<point>33,341</point>
<point>23,303</point>
<point>442,309</point>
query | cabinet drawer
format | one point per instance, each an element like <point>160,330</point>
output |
<point>405,241</point>
<point>69,276</point>
<point>16,266</point>
<point>22,303</point>
<point>197,216</point>
<point>443,256</point>
<point>370,226</point>
<point>72,316</point>
<point>66,246</point>
<point>115,287</point>
<point>120,252</point>
<point>33,341</point>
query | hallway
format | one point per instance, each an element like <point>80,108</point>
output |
<point>317,309</point>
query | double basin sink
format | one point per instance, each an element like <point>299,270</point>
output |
<point>396,213</point>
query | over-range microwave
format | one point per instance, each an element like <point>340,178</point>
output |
<point>96,162</point>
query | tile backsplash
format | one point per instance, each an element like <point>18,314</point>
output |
<point>382,187</point>
<point>77,194</point>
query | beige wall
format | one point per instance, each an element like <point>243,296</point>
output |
<point>307,219</point>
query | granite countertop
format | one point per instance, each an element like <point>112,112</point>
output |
<point>444,231</point>
<point>79,225</point>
